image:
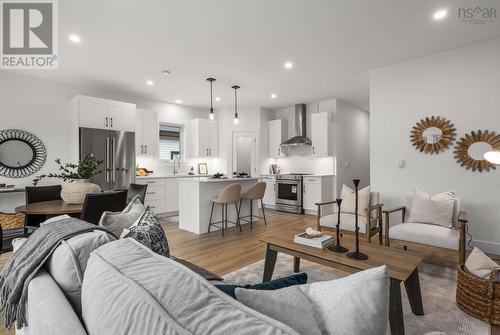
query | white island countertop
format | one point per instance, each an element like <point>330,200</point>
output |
<point>159,176</point>
<point>219,180</point>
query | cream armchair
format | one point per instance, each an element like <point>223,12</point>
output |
<point>369,219</point>
<point>428,236</point>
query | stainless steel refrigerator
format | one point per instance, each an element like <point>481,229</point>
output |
<point>117,151</point>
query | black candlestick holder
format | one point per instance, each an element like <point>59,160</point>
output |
<point>357,254</point>
<point>337,247</point>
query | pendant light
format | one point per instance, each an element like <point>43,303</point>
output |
<point>211,80</point>
<point>235,87</point>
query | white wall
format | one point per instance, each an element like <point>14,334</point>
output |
<point>461,85</point>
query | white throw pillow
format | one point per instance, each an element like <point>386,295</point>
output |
<point>340,306</point>
<point>480,265</point>
<point>116,222</point>
<point>437,209</point>
<point>348,196</point>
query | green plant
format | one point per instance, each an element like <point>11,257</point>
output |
<point>85,169</point>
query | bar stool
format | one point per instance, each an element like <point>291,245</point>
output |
<point>255,192</point>
<point>229,195</point>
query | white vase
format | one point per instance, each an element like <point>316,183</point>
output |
<point>74,192</point>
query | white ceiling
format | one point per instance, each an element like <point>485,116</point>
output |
<point>333,45</point>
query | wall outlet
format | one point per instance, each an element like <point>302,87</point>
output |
<point>402,163</point>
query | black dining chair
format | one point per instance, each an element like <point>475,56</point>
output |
<point>97,203</point>
<point>136,189</point>
<point>38,194</point>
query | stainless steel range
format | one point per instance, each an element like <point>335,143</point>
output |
<point>289,193</point>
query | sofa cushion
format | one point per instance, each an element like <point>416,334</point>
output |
<point>69,260</point>
<point>348,196</point>
<point>437,209</point>
<point>347,221</point>
<point>428,234</point>
<point>295,279</point>
<point>117,221</point>
<point>357,304</point>
<point>148,231</point>
<point>128,289</point>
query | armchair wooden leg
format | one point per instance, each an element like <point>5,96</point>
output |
<point>368,228</point>
<point>318,226</point>
<point>386,230</point>
<point>379,219</point>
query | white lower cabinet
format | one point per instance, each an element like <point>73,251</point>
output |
<point>155,194</point>
<point>317,189</point>
<point>270,194</point>
<point>171,194</point>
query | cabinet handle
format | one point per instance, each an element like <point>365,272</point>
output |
<point>279,151</point>
<point>304,189</point>
<point>150,182</point>
<point>106,123</point>
<point>313,149</point>
<point>151,193</point>
<point>142,149</point>
<point>111,122</point>
<point>207,151</point>
<point>210,150</point>
<point>145,148</point>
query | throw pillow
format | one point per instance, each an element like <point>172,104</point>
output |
<point>148,231</point>
<point>348,196</point>
<point>117,221</point>
<point>437,209</point>
<point>295,279</point>
<point>480,265</point>
<point>340,306</point>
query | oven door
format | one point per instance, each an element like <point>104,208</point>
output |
<point>289,192</point>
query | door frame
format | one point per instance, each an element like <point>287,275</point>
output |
<point>253,159</point>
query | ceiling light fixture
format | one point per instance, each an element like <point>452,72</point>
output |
<point>439,15</point>
<point>217,99</point>
<point>165,72</point>
<point>235,87</point>
<point>273,96</point>
<point>211,80</point>
<point>75,38</point>
<point>150,82</point>
<point>288,65</point>
<point>178,101</point>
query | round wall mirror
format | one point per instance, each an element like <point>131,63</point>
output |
<point>470,149</point>
<point>433,135</point>
<point>21,153</point>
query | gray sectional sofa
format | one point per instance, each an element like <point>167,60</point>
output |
<point>100,287</point>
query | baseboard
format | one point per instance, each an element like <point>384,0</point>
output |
<point>487,246</point>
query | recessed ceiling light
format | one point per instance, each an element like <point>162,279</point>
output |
<point>150,82</point>
<point>217,99</point>
<point>288,65</point>
<point>165,72</point>
<point>75,38</point>
<point>274,96</point>
<point>178,101</point>
<point>439,15</point>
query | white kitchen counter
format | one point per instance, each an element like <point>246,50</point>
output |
<point>153,176</point>
<point>195,203</point>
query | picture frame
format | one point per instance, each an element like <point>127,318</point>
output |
<point>202,168</point>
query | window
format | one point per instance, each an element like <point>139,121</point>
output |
<point>170,142</point>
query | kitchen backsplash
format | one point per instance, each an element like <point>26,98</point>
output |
<point>302,164</point>
<point>167,167</point>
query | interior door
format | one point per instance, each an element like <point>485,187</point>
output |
<point>96,142</point>
<point>122,152</point>
<point>244,152</point>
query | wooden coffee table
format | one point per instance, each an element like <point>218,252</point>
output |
<point>403,267</point>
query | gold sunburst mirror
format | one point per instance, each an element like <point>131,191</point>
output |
<point>470,150</point>
<point>433,135</point>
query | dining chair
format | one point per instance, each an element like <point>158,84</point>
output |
<point>137,189</point>
<point>39,194</point>
<point>97,203</point>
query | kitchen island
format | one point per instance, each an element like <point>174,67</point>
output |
<point>195,195</point>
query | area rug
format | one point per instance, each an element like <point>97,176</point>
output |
<point>437,283</point>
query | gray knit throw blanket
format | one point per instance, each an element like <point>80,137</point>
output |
<point>31,256</point>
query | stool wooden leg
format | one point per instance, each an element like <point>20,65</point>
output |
<point>263,213</point>
<point>251,213</point>
<point>238,216</point>
<point>210,220</point>
<point>222,219</point>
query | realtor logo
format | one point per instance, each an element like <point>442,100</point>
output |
<point>29,34</point>
<point>477,15</point>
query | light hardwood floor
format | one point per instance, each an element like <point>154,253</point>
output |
<point>222,255</point>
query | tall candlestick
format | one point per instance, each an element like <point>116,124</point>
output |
<point>357,254</point>
<point>337,247</point>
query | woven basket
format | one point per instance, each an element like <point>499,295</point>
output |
<point>479,297</point>
<point>11,220</point>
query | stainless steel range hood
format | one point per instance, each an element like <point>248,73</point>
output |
<point>300,128</point>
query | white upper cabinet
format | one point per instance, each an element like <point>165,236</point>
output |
<point>322,134</point>
<point>202,138</point>
<point>146,133</point>
<point>278,133</point>
<point>104,114</point>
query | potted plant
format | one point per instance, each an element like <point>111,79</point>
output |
<point>78,176</point>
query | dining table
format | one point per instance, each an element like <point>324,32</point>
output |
<point>50,208</point>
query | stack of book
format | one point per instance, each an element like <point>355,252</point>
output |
<point>322,241</point>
